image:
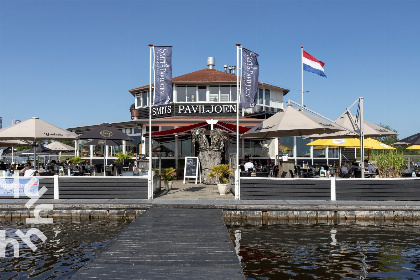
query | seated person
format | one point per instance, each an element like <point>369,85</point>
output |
<point>344,170</point>
<point>370,167</point>
<point>50,169</point>
<point>27,171</point>
<point>249,166</point>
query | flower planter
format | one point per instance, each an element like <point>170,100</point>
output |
<point>223,189</point>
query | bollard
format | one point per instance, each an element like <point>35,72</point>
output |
<point>333,192</point>
<point>56,189</point>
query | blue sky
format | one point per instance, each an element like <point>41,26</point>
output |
<point>71,63</point>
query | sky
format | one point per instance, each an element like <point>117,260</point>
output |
<point>72,62</point>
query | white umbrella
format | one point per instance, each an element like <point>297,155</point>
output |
<point>351,122</point>
<point>291,122</point>
<point>58,146</point>
<point>35,130</point>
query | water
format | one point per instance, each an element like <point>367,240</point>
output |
<point>70,244</point>
<point>328,251</point>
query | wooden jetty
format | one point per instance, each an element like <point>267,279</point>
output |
<point>168,243</point>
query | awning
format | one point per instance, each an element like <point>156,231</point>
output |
<point>229,128</point>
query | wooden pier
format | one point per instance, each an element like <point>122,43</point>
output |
<point>168,243</point>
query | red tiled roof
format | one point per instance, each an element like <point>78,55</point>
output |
<point>205,77</point>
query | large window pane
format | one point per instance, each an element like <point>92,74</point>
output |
<point>181,93</point>
<point>185,147</point>
<point>138,100</point>
<point>202,93</point>
<point>224,93</point>
<point>233,93</point>
<point>267,97</point>
<point>214,94</point>
<point>260,96</point>
<point>192,94</point>
<point>145,96</point>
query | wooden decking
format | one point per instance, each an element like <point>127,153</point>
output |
<point>169,243</point>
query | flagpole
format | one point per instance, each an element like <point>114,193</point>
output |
<point>237,172</point>
<point>301,66</point>
<point>362,137</point>
<point>150,177</point>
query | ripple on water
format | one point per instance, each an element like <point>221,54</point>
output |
<point>70,244</point>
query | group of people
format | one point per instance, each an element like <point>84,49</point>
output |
<point>28,170</point>
<point>248,166</point>
<point>348,170</point>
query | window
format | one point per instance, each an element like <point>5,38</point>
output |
<point>138,101</point>
<point>191,94</point>
<point>260,96</point>
<point>233,93</point>
<point>145,96</point>
<point>267,97</point>
<point>224,93</point>
<point>214,94</point>
<point>202,93</point>
<point>181,93</point>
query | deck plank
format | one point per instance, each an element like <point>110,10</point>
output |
<point>169,243</point>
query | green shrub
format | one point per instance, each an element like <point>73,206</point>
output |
<point>389,163</point>
<point>221,172</point>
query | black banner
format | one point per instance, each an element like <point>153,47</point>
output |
<point>163,75</point>
<point>249,79</point>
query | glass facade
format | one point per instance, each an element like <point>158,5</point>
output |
<point>214,94</point>
<point>202,93</point>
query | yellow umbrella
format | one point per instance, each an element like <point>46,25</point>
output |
<point>376,145</point>
<point>344,142</point>
<point>414,147</point>
<point>351,143</point>
<point>285,148</point>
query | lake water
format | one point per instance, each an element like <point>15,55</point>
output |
<point>70,244</point>
<point>309,250</point>
<point>281,250</point>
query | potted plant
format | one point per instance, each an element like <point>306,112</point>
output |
<point>221,172</point>
<point>122,157</point>
<point>168,175</point>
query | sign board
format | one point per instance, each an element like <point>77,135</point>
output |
<point>207,109</point>
<point>192,168</point>
<point>15,187</point>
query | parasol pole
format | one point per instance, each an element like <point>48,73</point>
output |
<point>105,154</point>
<point>237,174</point>
<point>150,177</point>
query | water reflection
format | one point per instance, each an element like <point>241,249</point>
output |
<point>327,251</point>
<point>70,244</point>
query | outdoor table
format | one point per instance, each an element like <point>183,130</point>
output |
<point>370,175</point>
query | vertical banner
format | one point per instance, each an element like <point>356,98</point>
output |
<point>249,79</point>
<point>163,75</point>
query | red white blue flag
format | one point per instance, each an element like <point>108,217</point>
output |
<point>311,64</point>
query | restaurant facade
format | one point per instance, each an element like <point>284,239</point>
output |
<point>206,98</point>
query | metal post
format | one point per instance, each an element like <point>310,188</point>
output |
<point>150,177</point>
<point>362,137</point>
<point>237,174</point>
<point>56,188</point>
<point>301,67</point>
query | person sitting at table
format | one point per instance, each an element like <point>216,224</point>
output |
<point>344,170</point>
<point>27,171</point>
<point>50,171</point>
<point>370,167</point>
<point>249,166</point>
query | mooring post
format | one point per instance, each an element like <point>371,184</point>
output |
<point>56,189</point>
<point>333,192</point>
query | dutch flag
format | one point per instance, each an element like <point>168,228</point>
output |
<point>311,64</point>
